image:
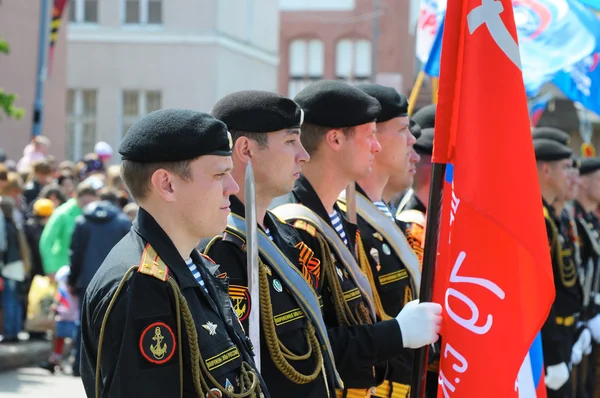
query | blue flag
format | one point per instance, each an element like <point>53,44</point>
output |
<point>432,67</point>
<point>581,82</point>
<point>553,35</point>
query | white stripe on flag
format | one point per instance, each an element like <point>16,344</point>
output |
<point>525,380</point>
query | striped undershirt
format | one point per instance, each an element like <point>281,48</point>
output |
<point>336,221</point>
<point>268,232</point>
<point>194,270</point>
<point>384,209</point>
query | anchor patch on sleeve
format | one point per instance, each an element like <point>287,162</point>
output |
<point>157,343</point>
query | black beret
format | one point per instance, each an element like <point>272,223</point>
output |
<point>331,103</point>
<point>258,112</point>
<point>393,104</point>
<point>424,145</point>
<point>550,133</point>
<point>589,165</point>
<point>171,135</point>
<point>576,162</point>
<point>425,116</point>
<point>549,150</point>
<point>415,129</point>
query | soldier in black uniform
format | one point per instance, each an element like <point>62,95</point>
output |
<point>394,272</point>
<point>155,317</point>
<point>266,132</point>
<point>558,333</point>
<point>339,135</point>
<point>588,227</point>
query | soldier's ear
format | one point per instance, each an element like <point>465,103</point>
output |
<point>334,138</point>
<point>242,149</point>
<point>162,184</point>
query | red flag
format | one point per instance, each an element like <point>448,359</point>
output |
<point>57,11</point>
<point>493,271</point>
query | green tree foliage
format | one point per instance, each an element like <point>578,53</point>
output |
<point>7,100</point>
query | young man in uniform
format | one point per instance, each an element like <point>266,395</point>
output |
<point>394,270</point>
<point>155,318</point>
<point>558,333</point>
<point>588,227</point>
<point>296,357</point>
<point>398,184</point>
<point>339,135</point>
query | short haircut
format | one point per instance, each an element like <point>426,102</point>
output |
<point>14,182</point>
<point>85,189</point>
<point>312,136</point>
<point>137,175</point>
<point>42,167</point>
<point>109,195</point>
<point>262,139</point>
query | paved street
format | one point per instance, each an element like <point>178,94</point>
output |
<point>34,383</point>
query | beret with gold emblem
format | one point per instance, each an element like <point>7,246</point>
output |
<point>171,135</point>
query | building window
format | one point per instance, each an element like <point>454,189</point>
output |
<point>353,61</point>
<point>143,12</point>
<point>83,11</point>
<point>137,104</point>
<point>81,123</point>
<point>306,64</point>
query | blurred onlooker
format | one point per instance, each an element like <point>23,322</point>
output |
<point>3,176</point>
<point>42,210</point>
<point>97,231</point>
<point>14,189</point>
<point>67,167</point>
<point>90,165</point>
<point>15,269</point>
<point>36,150</point>
<point>41,175</point>
<point>56,237</point>
<point>66,181</point>
<point>113,176</point>
<point>52,192</point>
<point>2,155</point>
<point>104,151</point>
<point>131,210</point>
<point>66,315</point>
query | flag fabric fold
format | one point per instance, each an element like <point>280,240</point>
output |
<point>493,271</point>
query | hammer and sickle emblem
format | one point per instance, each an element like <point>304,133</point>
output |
<point>488,13</point>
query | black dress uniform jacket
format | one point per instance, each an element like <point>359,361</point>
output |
<point>356,348</point>
<point>144,308</point>
<point>230,254</point>
<point>587,252</point>
<point>559,329</point>
<point>393,284</point>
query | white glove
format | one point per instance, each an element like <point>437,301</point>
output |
<point>576,353</point>
<point>420,323</point>
<point>594,326</point>
<point>586,341</point>
<point>557,376</point>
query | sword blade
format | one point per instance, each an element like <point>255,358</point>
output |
<point>252,263</point>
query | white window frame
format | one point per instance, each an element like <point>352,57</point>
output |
<point>143,15</point>
<point>78,119</point>
<point>307,78</point>
<point>352,79</point>
<point>80,12</point>
<point>142,107</point>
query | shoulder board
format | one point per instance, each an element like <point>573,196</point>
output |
<point>237,240</point>
<point>304,226</point>
<point>414,216</point>
<point>151,264</point>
